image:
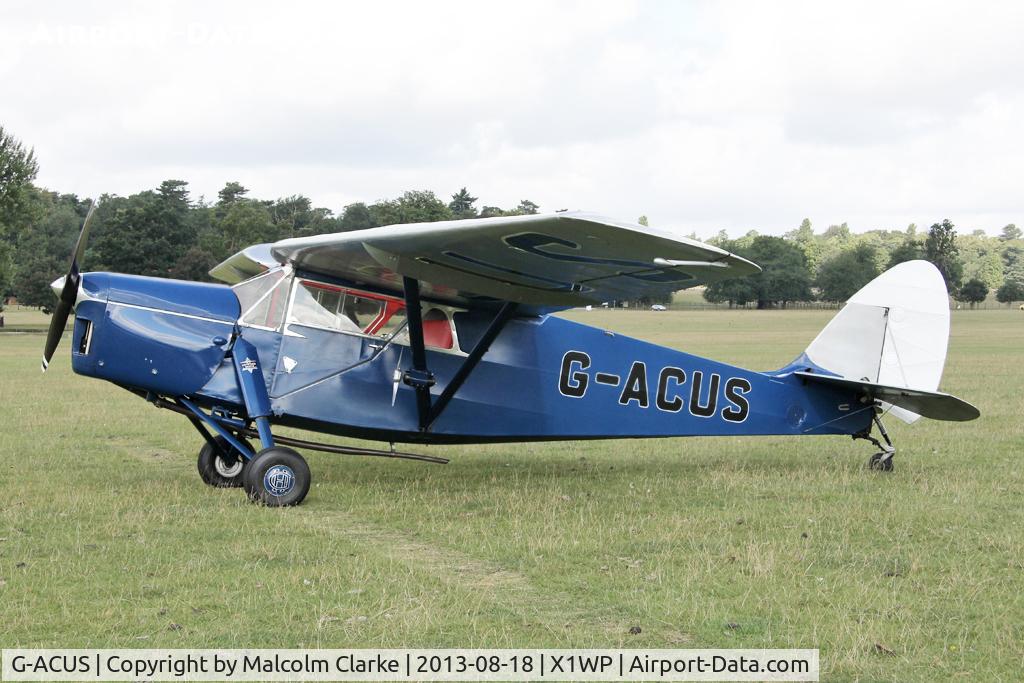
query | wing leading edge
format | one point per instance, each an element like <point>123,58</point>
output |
<point>544,262</point>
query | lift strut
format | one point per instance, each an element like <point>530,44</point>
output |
<point>462,374</point>
<point>420,378</point>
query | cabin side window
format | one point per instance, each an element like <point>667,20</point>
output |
<point>339,309</point>
<point>334,308</point>
<point>392,320</point>
<point>320,305</point>
<point>361,310</point>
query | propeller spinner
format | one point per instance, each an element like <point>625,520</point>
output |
<point>68,293</point>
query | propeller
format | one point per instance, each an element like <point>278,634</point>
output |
<point>68,293</point>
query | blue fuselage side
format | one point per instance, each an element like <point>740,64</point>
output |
<point>152,334</point>
<point>544,378</point>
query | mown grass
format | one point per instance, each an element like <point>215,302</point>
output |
<point>109,539</point>
<point>20,318</point>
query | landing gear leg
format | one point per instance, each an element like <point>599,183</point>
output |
<point>881,461</point>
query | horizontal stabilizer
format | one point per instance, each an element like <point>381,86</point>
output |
<point>933,404</point>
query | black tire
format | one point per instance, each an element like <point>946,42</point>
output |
<point>218,470</point>
<point>877,463</point>
<point>277,477</point>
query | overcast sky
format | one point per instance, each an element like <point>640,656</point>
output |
<point>703,116</point>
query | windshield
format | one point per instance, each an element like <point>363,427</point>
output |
<point>264,298</point>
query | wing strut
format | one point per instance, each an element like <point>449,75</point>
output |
<point>419,377</point>
<point>462,374</point>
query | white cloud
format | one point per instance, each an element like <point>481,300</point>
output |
<point>701,115</point>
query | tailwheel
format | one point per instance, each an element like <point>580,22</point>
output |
<point>881,462</point>
<point>222,466</point>
<point>277,477</point>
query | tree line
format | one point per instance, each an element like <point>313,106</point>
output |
<point>804,266</point>
<point>166,232</point>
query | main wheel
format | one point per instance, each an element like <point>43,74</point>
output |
<point>223,466</point>
<point>277,477</point>
<point>879,462</point>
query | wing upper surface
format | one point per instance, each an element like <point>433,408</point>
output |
<point>544,261</point>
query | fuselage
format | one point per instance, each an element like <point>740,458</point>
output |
<point>332,354</point>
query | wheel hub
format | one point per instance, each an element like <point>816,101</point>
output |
<point>226,469</point>
<point>279,480</point>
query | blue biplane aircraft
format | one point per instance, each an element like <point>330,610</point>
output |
<point>441,333</point>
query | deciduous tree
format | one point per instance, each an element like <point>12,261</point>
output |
<point>1013,288</point>
<point>491,212</point>
<point>356,217</point>
<point>941,248</point>
<point>416,206</point>
<point>974,291</point>
<point>1010,232</point>
<point>43,248</point>
<point>18,168</point>
<point>911,249</point>
<point>784,276</point>
<point>840,277</point>
<point>144,234</point>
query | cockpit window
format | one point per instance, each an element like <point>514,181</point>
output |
<point>392,321</point>
<point>320,305</point>
<point>361,310</point>
<point>336,308</point>
<point>263,299</point>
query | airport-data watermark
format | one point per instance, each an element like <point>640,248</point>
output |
<point>410,665</point>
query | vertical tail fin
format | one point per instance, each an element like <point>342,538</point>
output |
<point>893,332</point>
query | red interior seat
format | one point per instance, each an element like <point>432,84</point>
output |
<point>437,331</point>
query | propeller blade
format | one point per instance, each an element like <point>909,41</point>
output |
<point>68,294</point>
<point>83,236</point>
<point>56,331</point>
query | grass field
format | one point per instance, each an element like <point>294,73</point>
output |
<point>109,539</point>
<point>18,318</point>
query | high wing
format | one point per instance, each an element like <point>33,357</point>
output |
<point>543,262</point>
